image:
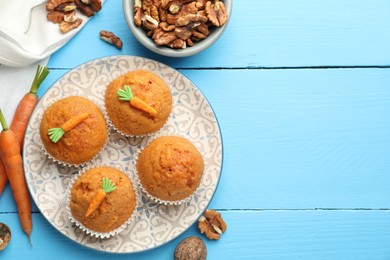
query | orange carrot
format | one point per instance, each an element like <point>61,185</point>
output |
<point>26,106</point>
<point>74,121</point>
<point>56,133</point>
<point>3,177</point>
<point>142,105</point>
<point>12,159</point>
<point>107,187</point>
<point>136,102</point>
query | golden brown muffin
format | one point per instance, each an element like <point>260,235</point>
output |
<point>115,209</point>
<point>150,88</point>
<point>81,143</point>
<point>170,168</point>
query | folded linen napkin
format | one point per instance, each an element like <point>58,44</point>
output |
<point>26,36</point>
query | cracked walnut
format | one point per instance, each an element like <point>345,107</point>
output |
<point>179,23</point>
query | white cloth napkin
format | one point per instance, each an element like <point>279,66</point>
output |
<point>14,84</point>
<point>26,36</point>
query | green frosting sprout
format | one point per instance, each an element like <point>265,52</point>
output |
<point>125,94</point>
<point>107,185</point>
<point>55,134</point>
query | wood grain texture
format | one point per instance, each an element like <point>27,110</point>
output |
<point>280,33</point>
<point>306,150</point>
<point>296,139</point>
<point>250,235</point>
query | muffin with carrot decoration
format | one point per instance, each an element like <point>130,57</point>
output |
<point>73,130</point>
<point>101,200</point>
<point>138,103</point>
<point>170,169</point>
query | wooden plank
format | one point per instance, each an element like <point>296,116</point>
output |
<point>251,235</point>
<point>296,139</point>
<point>281,33</point>
<point>301,138</point>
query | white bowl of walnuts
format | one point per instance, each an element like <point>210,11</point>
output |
<point>177,28</point>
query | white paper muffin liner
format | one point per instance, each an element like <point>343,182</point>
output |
<point>156,199</point>
<point>66,164</point>
<point>81,225</point>
<point>110,124</point>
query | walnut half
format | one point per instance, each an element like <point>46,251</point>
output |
<point>111,39</point>
<point>212,224</point>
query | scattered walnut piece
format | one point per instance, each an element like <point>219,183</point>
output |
<point>63,12</point>
<point>178,23</point>
<point>67,26</point>
<point>84,8</point>
<point>212,224</point>
<point>55,16</point>
<point>52,4</point>
<point>111,38</point>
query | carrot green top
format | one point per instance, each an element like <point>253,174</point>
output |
<point>40,76</point>
<point>3,122</point>
<point>107,185</point>
<point>125,94</point>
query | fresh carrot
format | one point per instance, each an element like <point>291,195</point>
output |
<point>12,159</point>
<point>136,102</point>
<point>107,187</point>
<point>55,134</point>
<point>26,105</point>
<point>3,177</point>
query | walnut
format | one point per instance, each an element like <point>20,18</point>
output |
<point>55,16</point>
<point>111,39</point>
<point>84,8</point>
<point>70,18</point>
<point>52,4</point>
<point>66,26</point>
<point>163,38</point>
<point>191,248</point>
<point>178,23</point>
<point>185,9</point>
<point>200,4</point>
<point>183,32</point>
<point>189,42</point>
<point>5,235</point>
<point>178,44</point>
<point>200,32</point>
<point>96,5</point>
<point>66,7</point>
<point>190,19</point>
<point>216,13</point>
<point>150,23</point>
<point>212,224</point>
<point>167,27</point>
<point>138,16</point>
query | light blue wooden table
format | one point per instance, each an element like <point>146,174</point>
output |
<point>301,90</point>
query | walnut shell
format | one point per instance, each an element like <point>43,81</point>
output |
<point>191,248</point>
<point>5,235</point>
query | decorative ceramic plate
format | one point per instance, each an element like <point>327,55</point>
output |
<point>155,224</point>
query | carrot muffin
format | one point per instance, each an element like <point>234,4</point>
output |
<point>73,130</point>
<point>102,199</point>
<point>138,103</point>
<point>170,168</point>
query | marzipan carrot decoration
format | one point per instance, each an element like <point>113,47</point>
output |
<point>55,134</point>
<point>107,187</point>
<point>12,159</point>
<point>127,95</point>
<point>26,105</point>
